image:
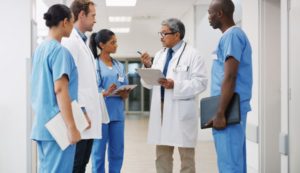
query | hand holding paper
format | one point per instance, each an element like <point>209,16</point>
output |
<point>122,89</point>
<point>150,76</point>
<point>58,128</point>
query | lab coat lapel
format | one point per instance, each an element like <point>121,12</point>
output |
<point>82,43</point>
<point>85,47</point>
<point>177,54</point>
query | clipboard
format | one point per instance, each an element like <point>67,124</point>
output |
<point>123,87</point>
<point>209,106</point>
<point>150,76</point>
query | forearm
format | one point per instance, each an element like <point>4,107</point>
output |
<point>227,91</point>
<point>64,104</point>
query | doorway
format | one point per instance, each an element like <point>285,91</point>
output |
<point>138,102</point>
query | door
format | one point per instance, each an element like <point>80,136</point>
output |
<point>294,83</point>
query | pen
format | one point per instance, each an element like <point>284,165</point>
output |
<point>139,52</point>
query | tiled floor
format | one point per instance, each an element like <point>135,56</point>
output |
<point>140,156</point>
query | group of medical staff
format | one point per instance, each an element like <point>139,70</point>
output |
<point>70,69</point>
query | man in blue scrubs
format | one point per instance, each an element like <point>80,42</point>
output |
<point>231,72</point>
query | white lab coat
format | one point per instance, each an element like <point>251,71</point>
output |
<point>180,122</point>
<point>87,83</point>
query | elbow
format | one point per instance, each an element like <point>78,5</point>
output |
<point>58,90</point>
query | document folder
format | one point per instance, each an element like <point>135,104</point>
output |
<point>209,106</point>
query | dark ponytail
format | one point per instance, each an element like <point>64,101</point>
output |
<point>94,45</point>
<point>103,36</point>
<point>57,13</point>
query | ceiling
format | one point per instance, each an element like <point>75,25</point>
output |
<point>146,18</point>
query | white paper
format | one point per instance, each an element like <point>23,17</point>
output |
<point>123,87</point>
<point>150,76</point>
<point>58,128</point>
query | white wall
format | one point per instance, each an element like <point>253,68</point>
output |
<point>206,40</point>
<point>294,84</point>
<point>143,40</point>
<point>250,25</point>
<point>284,81</point>
<point>14,48</point>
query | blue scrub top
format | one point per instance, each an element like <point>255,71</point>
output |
<point>107,76</point>
<point>235,43</point>
<point>50,62</point>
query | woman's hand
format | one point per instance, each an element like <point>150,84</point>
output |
<point>110,89</point>
<point>124,93</point>
<point>73,134</point>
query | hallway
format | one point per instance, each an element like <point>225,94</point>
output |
<point>140,156</point>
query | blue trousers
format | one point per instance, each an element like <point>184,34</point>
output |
<point>53,160</point>
<point>113,137</point>
<point>230,145</point>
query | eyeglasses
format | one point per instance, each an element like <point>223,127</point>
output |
<point>163,34</point>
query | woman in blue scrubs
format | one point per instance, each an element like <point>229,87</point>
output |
<point>111,75</point>
<point>54,86</point>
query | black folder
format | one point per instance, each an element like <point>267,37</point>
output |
<point>209,106</point>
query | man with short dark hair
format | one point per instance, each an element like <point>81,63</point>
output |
<point>231,72</point>
<point>84,14</point>
<point>174,121</point>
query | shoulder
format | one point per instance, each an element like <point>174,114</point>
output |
<point>62,52</point>
<point>192,51</point>
<point>71,40</point>
<point>234,33</point>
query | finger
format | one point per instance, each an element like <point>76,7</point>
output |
<point>209,123</point>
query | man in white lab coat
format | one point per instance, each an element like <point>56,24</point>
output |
<point>84,15</point>
<point>174,119</point>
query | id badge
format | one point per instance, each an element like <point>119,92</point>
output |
<point>121,78</point>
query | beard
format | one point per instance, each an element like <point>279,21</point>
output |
<point>215,24</point>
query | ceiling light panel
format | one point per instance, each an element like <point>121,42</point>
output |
<point>116,3</point>
<point>119,18</point>
<point>120,30</point>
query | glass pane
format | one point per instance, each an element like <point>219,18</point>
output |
<point>133,78</point>
<point>146,99</point>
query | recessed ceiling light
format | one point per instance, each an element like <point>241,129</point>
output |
<point>119,18</point>
<point>120,30</point>
<point>128,3</point>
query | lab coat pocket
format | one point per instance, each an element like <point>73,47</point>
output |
<point>187,109</point>
<point>181,72</point>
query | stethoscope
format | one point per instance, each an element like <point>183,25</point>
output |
<point>114,63</point>
<point>179,58</point>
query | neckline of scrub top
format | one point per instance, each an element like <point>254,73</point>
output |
<point>234,26</point>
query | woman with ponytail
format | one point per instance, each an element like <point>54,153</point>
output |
<point>111,75</point>
<point>54,86</point>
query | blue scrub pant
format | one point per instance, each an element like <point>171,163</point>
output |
<point>113,136</point>
<point>53,160</point>
<point>230,145</point>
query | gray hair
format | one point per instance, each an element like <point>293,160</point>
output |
<point>175,25</point>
